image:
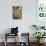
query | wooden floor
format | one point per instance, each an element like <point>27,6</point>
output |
<point>13,44</point>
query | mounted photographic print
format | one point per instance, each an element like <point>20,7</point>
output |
<point>17,12</point>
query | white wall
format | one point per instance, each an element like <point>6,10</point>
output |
<point>28,15</point>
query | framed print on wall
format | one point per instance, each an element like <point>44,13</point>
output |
<point>41,8</point>
<point>41,12</point>
<point>17,12</point>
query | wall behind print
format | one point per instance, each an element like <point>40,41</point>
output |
<point>28,15</point>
